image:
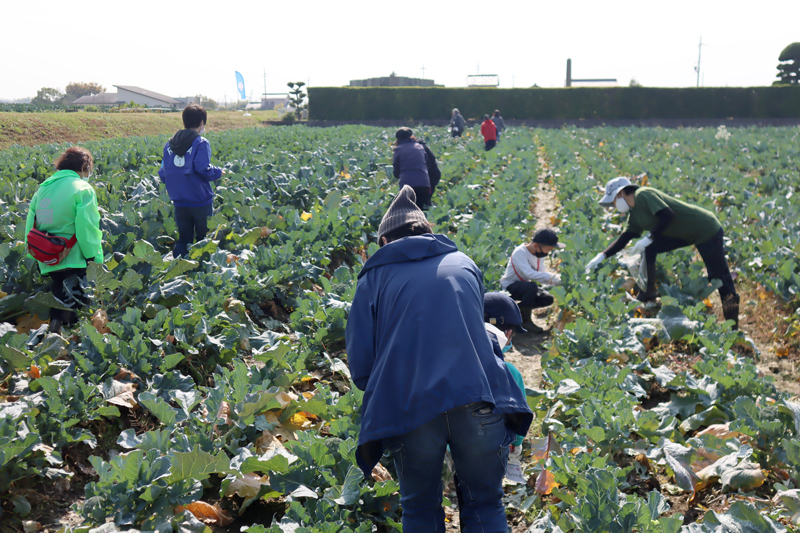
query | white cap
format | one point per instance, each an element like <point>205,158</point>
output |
<point>612,189</point>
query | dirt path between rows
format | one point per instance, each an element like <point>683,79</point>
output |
<point>526,354</point>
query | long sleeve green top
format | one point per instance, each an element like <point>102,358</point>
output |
<point>66,205</point>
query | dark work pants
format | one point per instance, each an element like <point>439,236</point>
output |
<point>455,133</point>
<point>529,294</point>
<point>712,251</point>
<point>192,225</point>
<point>490,144</point>
<point>70,277</point>
<point>423,196</point>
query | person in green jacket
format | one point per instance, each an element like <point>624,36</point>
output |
<point>672,224</point>
<point>66,205</point>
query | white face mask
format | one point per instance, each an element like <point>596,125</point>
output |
<point>202,130</point>
<point>621,205</point>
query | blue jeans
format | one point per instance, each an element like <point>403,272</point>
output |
<point>192,225</point>
<point>479,443</point>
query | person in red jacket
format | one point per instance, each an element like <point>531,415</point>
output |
<point>489,132</point>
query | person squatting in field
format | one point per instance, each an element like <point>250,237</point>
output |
<point>187,172</point>
<point>672,224</point>
<point>414,164</point>
<point>417,347</point>
<point>489,132</point>
<point>65,205</point>
<point>526,273</point>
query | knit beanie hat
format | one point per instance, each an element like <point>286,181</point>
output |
<point>404,133</point>
<point>401,212</point>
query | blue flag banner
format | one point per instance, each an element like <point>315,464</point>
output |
<point>240,85</point>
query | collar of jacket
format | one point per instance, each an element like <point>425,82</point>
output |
<point>61,174</point>
<point>412,248</point>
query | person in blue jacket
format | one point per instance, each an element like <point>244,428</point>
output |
<point>187,172</point>
<point>417,347</point>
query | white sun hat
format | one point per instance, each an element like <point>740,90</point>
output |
<point>612,189</point>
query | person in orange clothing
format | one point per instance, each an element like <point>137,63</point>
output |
<point>489,132</point>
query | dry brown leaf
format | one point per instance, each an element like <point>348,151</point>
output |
<point>267,442</point>
<point>26,323</point>
<point>266,232</point>
<point>123,394</point>
<point>100,321</point>
<point>722,431</point>
<point>379,473</point>
<point>546,482</point>
<point>170,339</point>
<point>124,373</point>
<point>783,351</point>
<point>209,514</point>
<point>619,358</point>
<point>3,294</point>
<point>284,434</point>
<point>224,413</point>
<point>233,259</point>
<point>34,372</point>
<point>285,398</point>
<point>247,486</point>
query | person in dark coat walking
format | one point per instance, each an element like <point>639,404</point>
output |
<point>418,348</point>
<point>499,123</point>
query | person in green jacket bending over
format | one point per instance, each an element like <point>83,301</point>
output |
<point>66,205</point>
<point>672,224</point>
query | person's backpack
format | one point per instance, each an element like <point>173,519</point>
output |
<point>49,249</point>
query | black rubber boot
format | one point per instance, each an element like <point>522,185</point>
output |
<point>649,294</point>
<point>527,322</point>
<point>55,326</point>
<point>730,309</point>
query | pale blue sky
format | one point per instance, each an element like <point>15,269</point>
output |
<point>182,48</point>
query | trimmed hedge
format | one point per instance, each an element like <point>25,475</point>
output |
<point>419,103</point>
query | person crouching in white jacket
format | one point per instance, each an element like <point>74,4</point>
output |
<point>526,273</point>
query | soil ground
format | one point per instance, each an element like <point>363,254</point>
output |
<point>29,129</point>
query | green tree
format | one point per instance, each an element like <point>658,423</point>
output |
<point>789,66</point>
<point>84,89</point>
<point>206,102</point>
<point>47,96</point>
<point>297,97</point>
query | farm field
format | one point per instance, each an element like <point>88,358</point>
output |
<point>29,129</point>
<point>218,393</point>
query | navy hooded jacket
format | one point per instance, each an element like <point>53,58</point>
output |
<point>417,345</point>
<point>188,175</point>
<point>410,164</point>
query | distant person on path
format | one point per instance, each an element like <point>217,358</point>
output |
<point>499,123</point>
<point>414,164</point>
<point>672,224</point>
<point>65,205</point>
<point>457,124</point>
<point>489,132</point>
<point>418,348</point>
<point>526,273</point>
<point>187,172</point>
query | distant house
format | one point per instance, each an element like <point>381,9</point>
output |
<point>131,93</point>
<point>393,80</point>
<point>187,100</point>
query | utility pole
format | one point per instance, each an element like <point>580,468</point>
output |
<point>265,83</point>
<point>569,73</point>
<point>478,68</point>
<point>423,71</point>
<point>697,68</point>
